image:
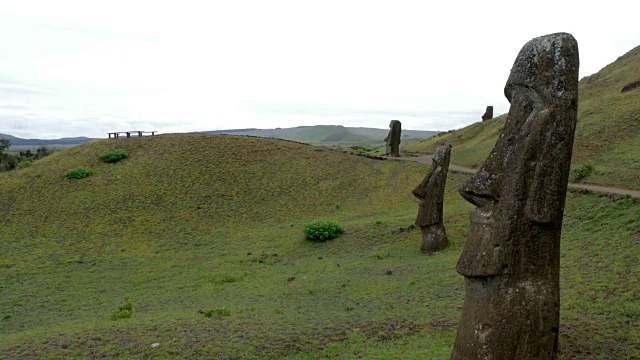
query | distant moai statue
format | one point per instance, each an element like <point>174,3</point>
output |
<point>511,260</point>
<point>431,195</point>
<point>393,139</point>
<point>488,114</point>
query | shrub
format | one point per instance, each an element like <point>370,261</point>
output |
<point>124,311</point>
<point>582,171</point>
<point>226,278</point>
<point>24,164</point>
<point>113,155</point>
<point>323,230</point>
<point>219,312</point>
<point>364,148</point>
<point>223,312</point>
<point>79,173</point>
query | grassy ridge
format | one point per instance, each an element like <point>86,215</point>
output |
<point>324,133</point>
<point>183,184</point>
<point>214,223</point>
<point>332,135</point>
<point>607,133</point>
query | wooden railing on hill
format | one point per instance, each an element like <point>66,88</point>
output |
<point>117,134</point>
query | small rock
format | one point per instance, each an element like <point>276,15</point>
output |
<point>155,345</point>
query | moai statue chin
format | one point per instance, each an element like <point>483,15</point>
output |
<point>511,260</point>
<point>393,139</point>
<point>431,195</point>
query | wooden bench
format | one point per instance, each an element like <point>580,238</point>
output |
<point>116,135</point>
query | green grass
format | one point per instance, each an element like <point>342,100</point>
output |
<point>607,133</point>
<point>191,225</point>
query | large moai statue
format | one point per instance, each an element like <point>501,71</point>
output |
<point>511,260</point>
<point>431,195</point>
<point>393,139</point>
<point>488,114</point>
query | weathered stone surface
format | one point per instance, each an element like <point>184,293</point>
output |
<point>431,195</point>
<point>511,260</point>
<point>488,114</point>
<point>393,138</point>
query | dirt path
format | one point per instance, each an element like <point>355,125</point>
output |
<point>426,160</point>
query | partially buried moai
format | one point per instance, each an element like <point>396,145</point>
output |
<point>488,114</point>
<point>393,139</point>
<point>431,195</point>
<point>511,260</point>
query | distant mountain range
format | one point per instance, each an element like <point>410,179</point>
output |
<point>328,135</point>
<point>16,141</point>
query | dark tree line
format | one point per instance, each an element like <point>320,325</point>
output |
<point>10,162</point>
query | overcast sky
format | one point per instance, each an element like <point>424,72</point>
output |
<point>85,68</point>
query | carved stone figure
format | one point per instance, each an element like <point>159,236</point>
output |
<point>431,195</point>
<point>511,260</point>
<point>488,114</point>
<point>393,139</point>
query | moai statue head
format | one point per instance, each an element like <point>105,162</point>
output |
<point>488,114</point>
<point>431,195</point>
<point>431,189</point>
<point>511,259</point>
<point>393,138</point>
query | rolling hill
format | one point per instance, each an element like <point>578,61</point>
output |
<point>329,135</point>
<point>202,236</point>
<point>607,133</point>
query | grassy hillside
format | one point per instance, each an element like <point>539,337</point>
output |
<point>203,235</point>
<point>607,134</point>
<point>331,135</point>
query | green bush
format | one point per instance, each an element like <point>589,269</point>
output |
<point>79,173</point>
<point>113,155</point>
<point>323,230</point>
<point>364,148</point>
<point>221,279</point>
<point>582,171</point>
<point>24,164</point>
<point>219,312</point>
<point>124,311</point>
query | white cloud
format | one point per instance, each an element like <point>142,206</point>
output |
<point>197,65</point>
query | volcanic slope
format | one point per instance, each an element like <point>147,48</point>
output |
<point>202,236</point>
<point>607,133</point>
